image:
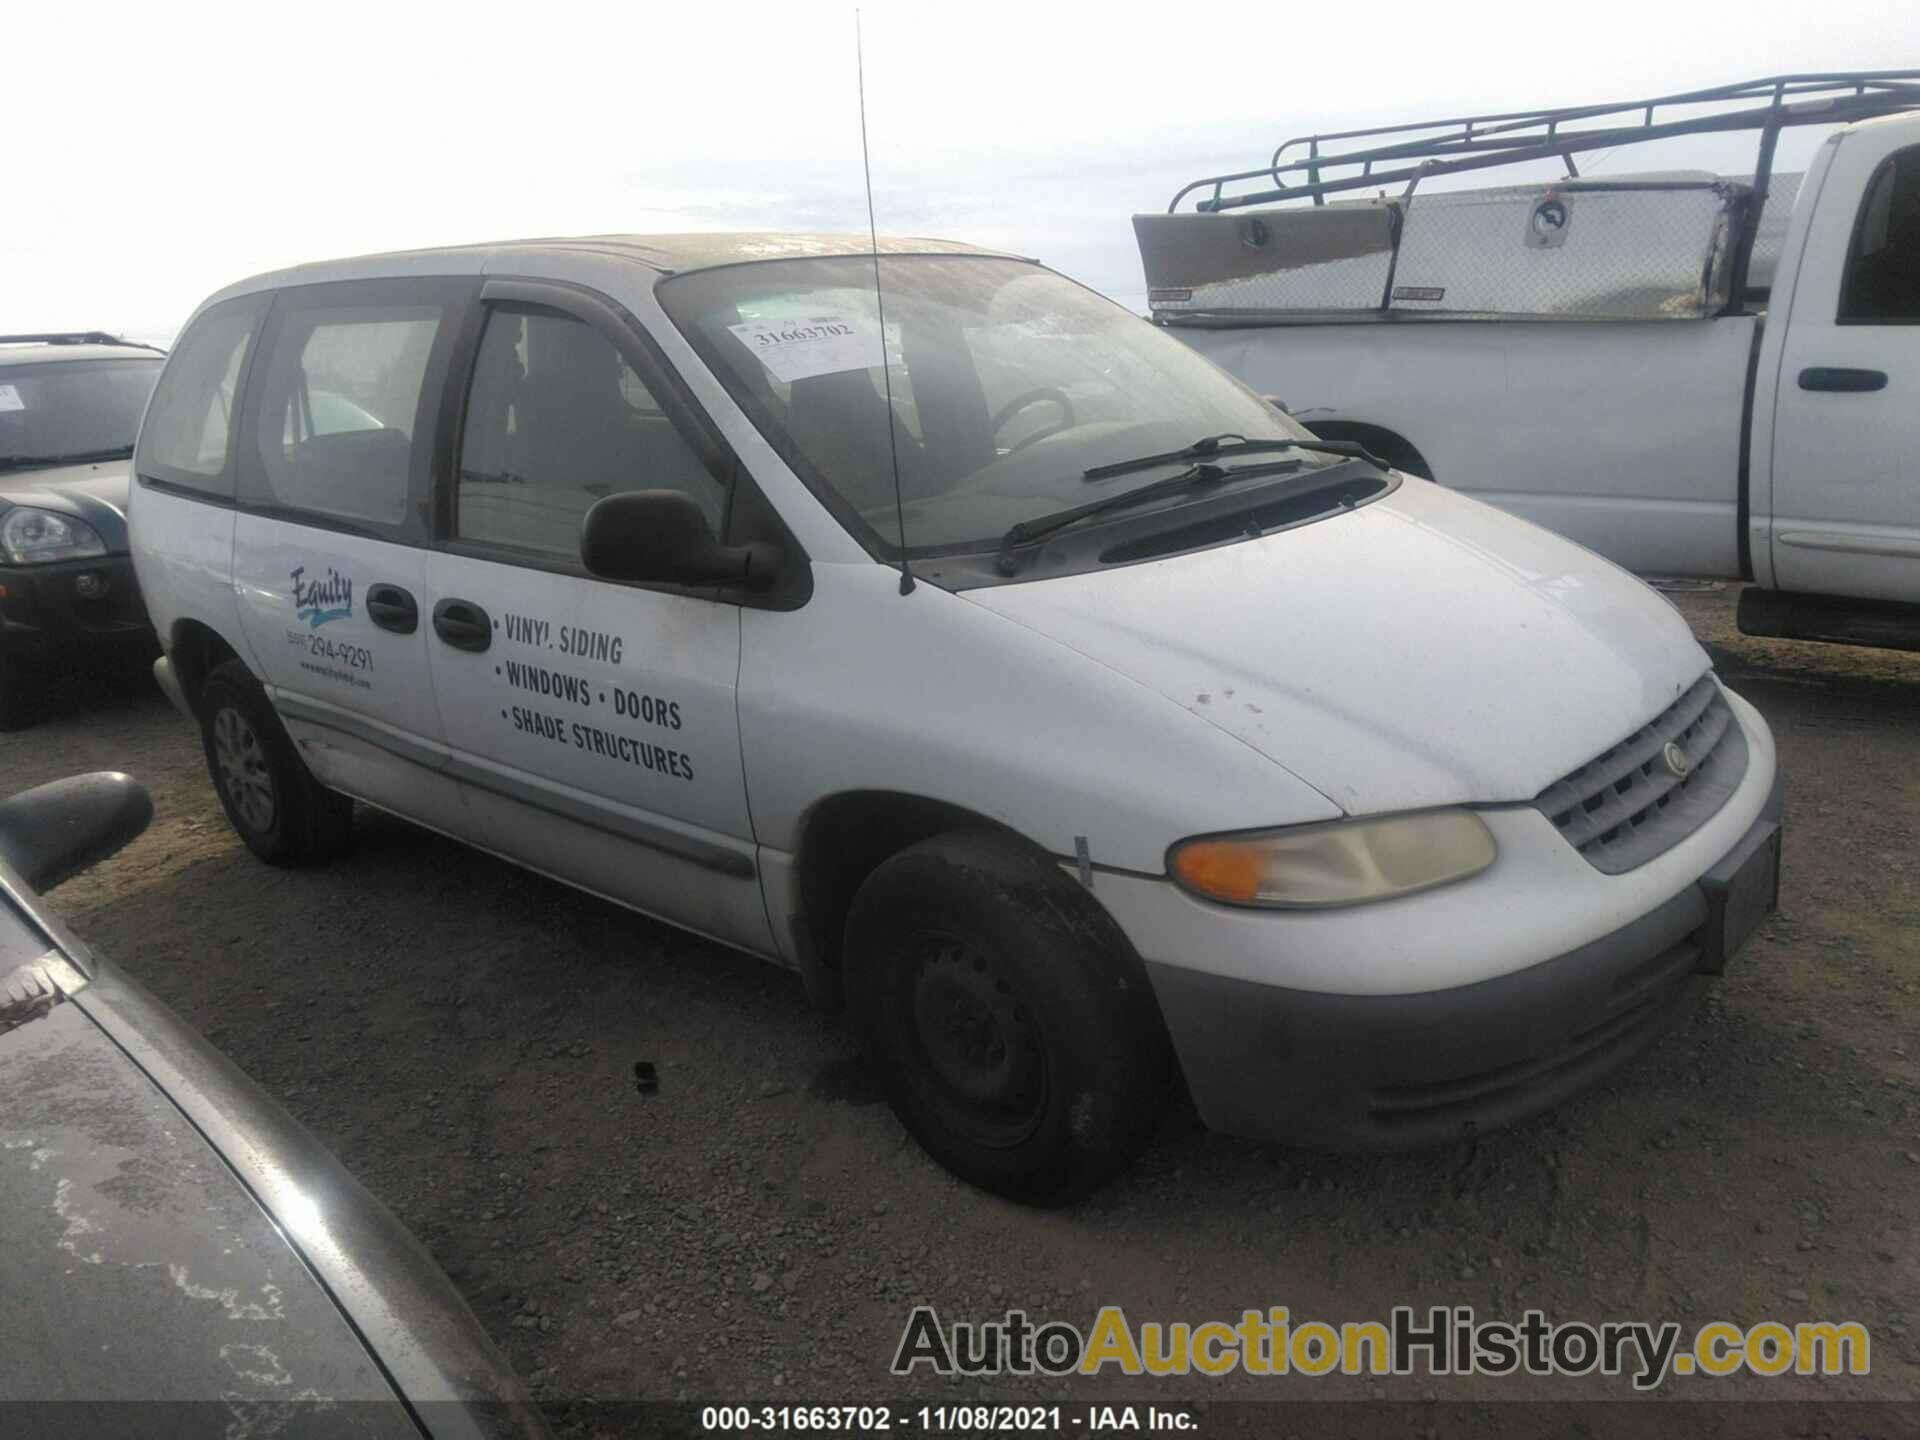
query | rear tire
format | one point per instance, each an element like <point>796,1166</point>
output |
<point>272,800</point>
<point>1008,1021</point>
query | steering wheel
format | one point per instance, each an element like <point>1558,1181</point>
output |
<point>1042,394</point>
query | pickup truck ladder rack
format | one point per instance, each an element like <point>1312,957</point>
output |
<point>1481,142</point>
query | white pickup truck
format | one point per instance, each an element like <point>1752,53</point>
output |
<point>1690,374</point>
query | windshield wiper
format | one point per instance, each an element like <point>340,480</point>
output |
<point>77,457</point>
<point>1205,473</point>
<point>1211,446</point>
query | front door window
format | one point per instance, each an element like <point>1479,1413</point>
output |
<point>557,419</point>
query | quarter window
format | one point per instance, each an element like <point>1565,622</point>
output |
<point>557,419</point>
<point>341,430</point>
<point>1883,268</point>
<point>186,437</point>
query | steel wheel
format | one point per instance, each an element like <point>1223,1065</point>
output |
<point>1007,1019</point>
<point>981,1049</point>
<point>243,769</point>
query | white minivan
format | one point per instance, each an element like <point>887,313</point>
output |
<point>1003,666</point>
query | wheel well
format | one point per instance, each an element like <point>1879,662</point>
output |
<point>845,838</point>
<point>1390,446</point>
<point>195,651</point>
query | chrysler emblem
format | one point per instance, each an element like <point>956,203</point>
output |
<point>1677,761</point>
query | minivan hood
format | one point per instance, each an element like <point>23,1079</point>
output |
<point>1422,650</point>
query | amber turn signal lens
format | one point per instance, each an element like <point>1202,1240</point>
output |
<point>1223,869</point>
<point>1348,862</point>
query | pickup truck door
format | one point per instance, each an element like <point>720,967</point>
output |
<point>1846,417</point>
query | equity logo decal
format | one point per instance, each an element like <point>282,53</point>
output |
<point>318,601</point>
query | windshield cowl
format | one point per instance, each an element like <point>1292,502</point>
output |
<point>1194,476</point>
<point>49,462</point>
<point>1172,526</point>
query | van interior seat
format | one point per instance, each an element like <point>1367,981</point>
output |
<point>585,429</point>
<point>839,422</point>
<point>358,474</point>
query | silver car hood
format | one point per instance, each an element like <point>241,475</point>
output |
<point>1422,650</point>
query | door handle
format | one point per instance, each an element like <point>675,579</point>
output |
<point>463,625</point>
<point>392,608</point>
<point>1838,377</point>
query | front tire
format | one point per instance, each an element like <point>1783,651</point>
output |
<point>1007,1018</point>
<point>284,815</point>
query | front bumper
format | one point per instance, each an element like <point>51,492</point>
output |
<point>169,683</point>
<point>74,613</point>
<point>1384,1071</point>
<point>1424,1019</point>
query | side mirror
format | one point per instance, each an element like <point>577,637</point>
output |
<point>660,535</point>
<point>60,828</point>
<point>1277,403</point>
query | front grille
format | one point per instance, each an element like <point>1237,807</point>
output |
<point>1625,806</point>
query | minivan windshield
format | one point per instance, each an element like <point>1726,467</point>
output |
<point>1008,383</point>
<point>65,411</point>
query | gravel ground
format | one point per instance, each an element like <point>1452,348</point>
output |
<point>463,1035</point>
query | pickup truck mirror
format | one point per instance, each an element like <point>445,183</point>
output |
<point>60,828</point>
<point>661,536</point>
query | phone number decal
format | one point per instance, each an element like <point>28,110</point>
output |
<point>335,652</point>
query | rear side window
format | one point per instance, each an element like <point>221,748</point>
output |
<point>557,418</point>
<point>343,421</point>
<point>187,438</point>
<point>1883,268</point>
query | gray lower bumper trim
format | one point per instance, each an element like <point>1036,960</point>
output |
<point>1385,1071</point>
<point>169,684</point>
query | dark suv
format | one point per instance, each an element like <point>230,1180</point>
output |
<point>69,407</point>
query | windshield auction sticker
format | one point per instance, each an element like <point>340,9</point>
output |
<point>818,345</point>
<point>10,399</point>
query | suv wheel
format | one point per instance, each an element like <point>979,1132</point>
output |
<point>1008,1020</point>
<point>274,803</point>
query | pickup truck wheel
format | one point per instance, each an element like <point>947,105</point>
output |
<point>274,803</point>
<point>19,699</point>
<point>1007,1019</point>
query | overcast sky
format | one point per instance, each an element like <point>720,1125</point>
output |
<point>160,151</point>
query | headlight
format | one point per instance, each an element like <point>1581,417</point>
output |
<point>1345,863</point>
<point>30,537</point>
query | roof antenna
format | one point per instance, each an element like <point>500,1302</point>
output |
<point>886,369</point>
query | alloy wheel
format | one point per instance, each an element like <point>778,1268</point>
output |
<point>243,769</point>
